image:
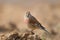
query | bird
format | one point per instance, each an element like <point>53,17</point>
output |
<point>32,22</point>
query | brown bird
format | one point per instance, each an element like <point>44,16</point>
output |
<point>32,22</point>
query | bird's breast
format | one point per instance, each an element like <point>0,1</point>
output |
<point>26,20</point>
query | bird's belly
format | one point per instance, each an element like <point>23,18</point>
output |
<point>32,27</point>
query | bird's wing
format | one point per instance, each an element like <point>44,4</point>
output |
<point>35,22</point>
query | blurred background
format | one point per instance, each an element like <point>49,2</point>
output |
<point>47,12</point>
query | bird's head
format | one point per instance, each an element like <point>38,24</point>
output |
<point>27,16</point>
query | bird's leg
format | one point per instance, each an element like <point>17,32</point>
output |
<point>32,32</point>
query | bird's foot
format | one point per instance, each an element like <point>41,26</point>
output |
<point>30,32</point>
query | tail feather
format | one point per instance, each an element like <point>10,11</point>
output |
<point>46,31</point>
<point>43,28</point>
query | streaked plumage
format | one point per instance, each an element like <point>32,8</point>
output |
<point>32,22</point>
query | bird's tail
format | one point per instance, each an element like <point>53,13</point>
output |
<point>43,28</point>
<point>46,31</point>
